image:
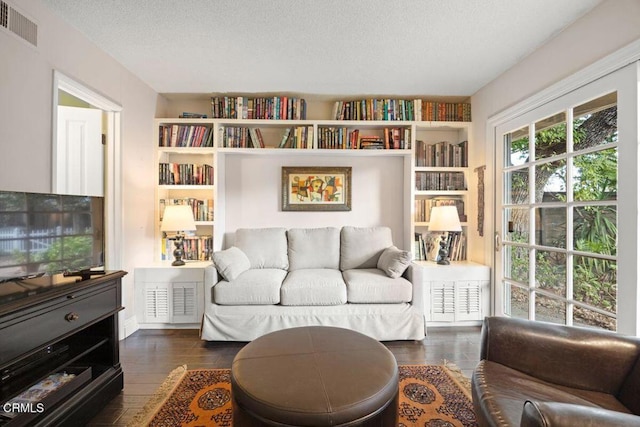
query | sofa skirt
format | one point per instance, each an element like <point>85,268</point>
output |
<point>383,322</point>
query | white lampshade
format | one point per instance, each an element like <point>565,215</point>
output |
<point>444,218</point>
<point>178,218</point>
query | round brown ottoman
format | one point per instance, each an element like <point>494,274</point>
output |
<point>315,376</point>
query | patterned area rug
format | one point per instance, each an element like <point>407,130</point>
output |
<point>430,396</point>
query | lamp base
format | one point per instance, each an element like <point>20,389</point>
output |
<point>443,254</point>
<point>178,252</point>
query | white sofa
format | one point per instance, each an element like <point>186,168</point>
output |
<point>274,278</point>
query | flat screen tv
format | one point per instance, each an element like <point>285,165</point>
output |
<point>46,234</point>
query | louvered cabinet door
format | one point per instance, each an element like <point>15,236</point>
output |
<point>170,297</point>
<point>443,301</point>
<point>469,300</point>
<point>156,303</point>
<point>184,306</point>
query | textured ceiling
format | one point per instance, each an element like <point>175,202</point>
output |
<point>323,47</point>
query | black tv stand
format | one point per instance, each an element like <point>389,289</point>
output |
<point>70,326</point>
<point>83,274</point>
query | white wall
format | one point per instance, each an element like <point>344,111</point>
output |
<point>607,28</point>
<point>26,93</point>
<point>253,193</point>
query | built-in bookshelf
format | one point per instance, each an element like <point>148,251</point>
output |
<point>192,153</point>
<point>441,177</point>
<point>185,164</point>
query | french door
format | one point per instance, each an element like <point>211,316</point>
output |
<point>559,216</point>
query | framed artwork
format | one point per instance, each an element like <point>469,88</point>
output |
<point>316,188</point>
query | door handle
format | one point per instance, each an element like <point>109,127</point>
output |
<point>497,241</point>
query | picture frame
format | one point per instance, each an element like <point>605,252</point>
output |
<point>316,188</point>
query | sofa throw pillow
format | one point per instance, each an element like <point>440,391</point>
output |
<point>231,263</point>
<point>394,261</point>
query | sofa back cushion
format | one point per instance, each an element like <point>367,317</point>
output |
<point>361,247</point>
<point>588,359</point>
<point>265,247</point>
<point>314,248</point>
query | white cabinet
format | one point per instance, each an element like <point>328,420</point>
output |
<point>456,293</point>
<point>170,297</point>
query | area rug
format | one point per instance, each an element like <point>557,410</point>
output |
<point>430,396</point>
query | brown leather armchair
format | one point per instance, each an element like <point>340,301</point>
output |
<point>542,374</point>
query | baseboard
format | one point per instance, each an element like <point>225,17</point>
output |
<point>169,326</point>
<point>129,326</point>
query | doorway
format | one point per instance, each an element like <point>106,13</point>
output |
<point>82,165</point>
<point>565,202</point>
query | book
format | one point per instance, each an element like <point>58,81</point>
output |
<point>255,142</point>
<point>285,137</point>
<point>187,115</point>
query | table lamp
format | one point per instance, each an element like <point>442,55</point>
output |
<point>178,219</point>
<point>445,219</point>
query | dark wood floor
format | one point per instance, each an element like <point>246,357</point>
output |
<point>148,356</point>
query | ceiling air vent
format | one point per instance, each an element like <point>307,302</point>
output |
<point>18,24</point>
<point>4,14</point>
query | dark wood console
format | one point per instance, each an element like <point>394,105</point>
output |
<point>58,324</point>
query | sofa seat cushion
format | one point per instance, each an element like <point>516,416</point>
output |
<point>314,248</point>
<point>253,287</point>
<point>314,286</point>
<point>361,247</point>
<point>265,247</point>
<point>500,393</point>
<point>370,285</point>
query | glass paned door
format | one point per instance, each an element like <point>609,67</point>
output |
<point>557,217</point>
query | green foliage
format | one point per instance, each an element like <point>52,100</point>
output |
<point>75,248</point>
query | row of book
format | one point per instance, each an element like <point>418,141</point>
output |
<point>427,246</point>
<point>245,137</point>
<point>445,111</point>
<point>196,248</point>
<point>185,136</point>
<point>185,174</point>
<point>241,137</point>
<point>343,138</point>
<point>202,208</point>
<point>269,108</point>
<point>440,181</point>
<point>401,109</point>
<point>442,154</point>
<point>297,137</point>
<point>423,208</point>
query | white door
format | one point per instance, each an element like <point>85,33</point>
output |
<point>79,153</point>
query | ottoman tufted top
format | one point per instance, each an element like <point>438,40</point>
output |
<point>314,376</point>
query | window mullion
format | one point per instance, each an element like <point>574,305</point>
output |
<point>570,226</point>
<point>532,221</point>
